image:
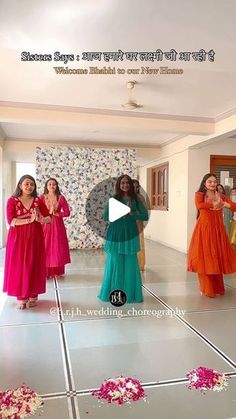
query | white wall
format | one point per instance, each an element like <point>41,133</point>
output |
<point>7,190</point>
<point>170,227</point>
<point>1,198</point>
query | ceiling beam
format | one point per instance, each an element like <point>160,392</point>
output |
<point>30,115</point>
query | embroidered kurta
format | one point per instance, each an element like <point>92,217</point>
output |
<point>56,242</point>
<point>210,251</point>
<point>25,268</point>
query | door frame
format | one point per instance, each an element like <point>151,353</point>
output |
<point>220,159</point>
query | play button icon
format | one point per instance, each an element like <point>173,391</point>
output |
<point>101,200</point>
<point>117,210</point>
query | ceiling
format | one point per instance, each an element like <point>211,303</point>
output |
<point>38,104</point>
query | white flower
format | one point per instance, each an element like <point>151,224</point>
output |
<point>115,394</point>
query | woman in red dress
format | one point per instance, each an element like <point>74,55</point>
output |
<point>25,268</point>
<point>56,242</point>
<point>210,253</point>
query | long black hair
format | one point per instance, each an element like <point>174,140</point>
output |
<point>137,182</point>
<point>219,184</point>
<point>18,191</point>
<point>119,193</point>
<point>202,187</point>
<point>57,191</point>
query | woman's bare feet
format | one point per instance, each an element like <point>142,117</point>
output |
<point>21,304</point>
<point>32,302</point>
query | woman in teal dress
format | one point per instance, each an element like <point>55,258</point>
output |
<point>122,245</point>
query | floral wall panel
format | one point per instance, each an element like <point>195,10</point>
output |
<point>81,173</point>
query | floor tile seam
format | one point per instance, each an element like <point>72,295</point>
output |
<point>56,322</point>
<point>211,310</point>
<point>34,323</point>
<point>151,384</point>
<point>68,375</point>
<point>83,270</point>
<point>28,324</point>
<point>160,299</point>
<point>112,317</point>
<point>215,348</point>
<point>105,318</point>
<point>64,346</point>
<point>51,396</point>
<point>161,266</point>
<point>109,318</point>
<point>78,286</point>
<point>230,287</point>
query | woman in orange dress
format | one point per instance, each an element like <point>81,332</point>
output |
<point>210,253</point>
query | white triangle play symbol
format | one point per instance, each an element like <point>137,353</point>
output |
<point>117,209</point>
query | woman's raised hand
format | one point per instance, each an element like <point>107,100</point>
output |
<point>34,216</point>
<point>226,205</point>
<point>218,204</point>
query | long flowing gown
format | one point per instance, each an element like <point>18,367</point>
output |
<point>25,269</point>
<point>122,245</point>
<point>56,242</point>
<point>210,253</point>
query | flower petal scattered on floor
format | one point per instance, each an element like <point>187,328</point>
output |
<point>120,390</point>
<point>203,379</point>
<point>19,403</point>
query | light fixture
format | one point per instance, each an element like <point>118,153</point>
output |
<point>131,104</point>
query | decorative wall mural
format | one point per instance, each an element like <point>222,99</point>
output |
<point>79,170</point>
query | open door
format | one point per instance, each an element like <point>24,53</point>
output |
<point>224,167</point>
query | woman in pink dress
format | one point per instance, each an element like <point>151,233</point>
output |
<point>25,269</point>
<point>56,242</point>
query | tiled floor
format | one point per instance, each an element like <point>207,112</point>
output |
<point>67,345</point>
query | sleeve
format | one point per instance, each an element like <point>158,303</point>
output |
<point>231,203</point>
<point>141,212</point>
<point>143,200</point>
<point>43,208</point>
<point>199,201</point>
<point>11,209</point>
<point>64,210</point>
<point>105,215</point>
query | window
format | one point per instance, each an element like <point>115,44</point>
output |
<point>159,187</point>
